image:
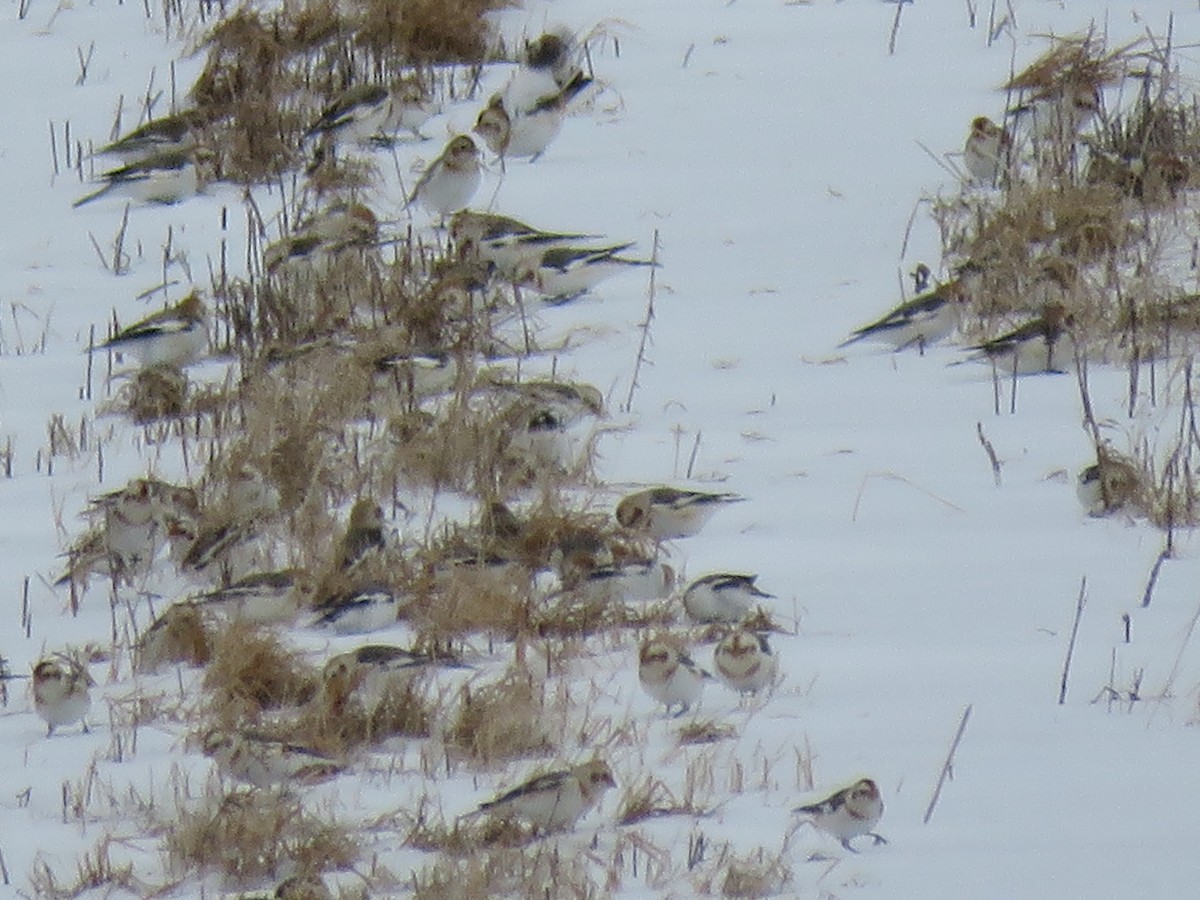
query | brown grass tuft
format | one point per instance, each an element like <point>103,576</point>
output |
<point>251,671</point>
<point>182,634</point>
<point>501,720</point>
<point>252,835</point>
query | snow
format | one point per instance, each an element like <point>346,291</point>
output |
<point>780,169</point>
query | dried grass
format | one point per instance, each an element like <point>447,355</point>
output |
<point>502,720</point>
<point>253,835</point>
<point>252,671</point>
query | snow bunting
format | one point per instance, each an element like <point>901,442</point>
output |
<point>722,597</point>
<point>131,525</point>
<point>848,813</point>
<point>555,53</point>
<point>517,134</point>
<point>173,337</point>
<point>506,243</point>
<point>986,151</point>
<point>1029,349</point>
<point>165,177</point>
<point>169,134</point>
<point>334,229</point>
<point>61,691</point>
<point>450,181</point>
<point>360,610</point>
<point>1057,113</point>
<point>364,533</point>
<point>264,761</point>
<point>669,675</point>
<point>921,321</point>
<point>629,581</point>
<point>744,662</point>
<point>261,598</point>
<point>373,113</point>
<point>1108,485</point>
<point>554,801</point>
<point>561,274</point>
<point>372,670</point>
<point>667,513</point>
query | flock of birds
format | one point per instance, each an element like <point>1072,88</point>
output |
<point>133,527</point>
<point>988,156</point>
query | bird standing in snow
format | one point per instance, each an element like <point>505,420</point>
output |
<point>669,675</point>
<point>744,662</point>
<point>722,597</point>
<point>173,338</point>
<point>848,813</point>
<point>61,691</point>
<point>919,322</point>
<point>450,181</point>
<point>1030,348</point>
<point>986,151</point>
<point>555,801</point>
<point>666,513</point>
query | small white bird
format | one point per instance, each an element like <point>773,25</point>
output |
<point>179,636</point>
<point>1057,113</point>
<point>554,801</point>
<point>848,813</point>
<point>175,133</point>
<point>722,597</point>
<point>922,321</point>
<point>629,581</point>
<point>520,133</point>
<point>361,610</point>
<point>62,691</point>
<point>371,670</point>
<point>669,675</point>
<point>165,177</point>
<point>261,598</point>
<point>263,761</point>
<point>130,526</point>
<point>556,54</point>
<point>744,662</point>
<point>173,337</point>
<point>337,228</point>
<point>667,513</point>
<point>506,243</point>
<point>450,181</point>
<point>1030,348</point>
<point>986,151</point>
<point>563,273</point>
<point>373,113</point>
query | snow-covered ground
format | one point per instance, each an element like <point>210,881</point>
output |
<point>773,147</point>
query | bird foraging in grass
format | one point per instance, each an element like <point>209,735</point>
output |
<point>562,273</point>
<point>173,337</point>
<point>374,113</point>
<point>1030,348</point>
<point>263,761</point>
<point>554,801</point>
<point>848,812</point>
